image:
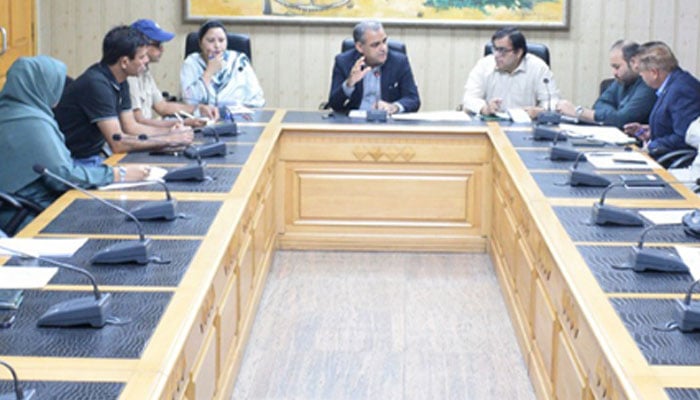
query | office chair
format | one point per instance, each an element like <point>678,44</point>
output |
<point>235,41</point>
<point>393,45</point>
<point>538,49</point>
<point>23,209</point>
<point>605,84</point>
<point>677,158</point>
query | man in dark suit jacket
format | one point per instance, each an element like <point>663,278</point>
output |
<point>372,76</point>
<point>677,103</point>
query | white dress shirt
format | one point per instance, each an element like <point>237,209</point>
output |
<point>524,87</point>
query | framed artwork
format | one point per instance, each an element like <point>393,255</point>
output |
<point>548,14</point>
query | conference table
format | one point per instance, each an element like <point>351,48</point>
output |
<point>319,180</point>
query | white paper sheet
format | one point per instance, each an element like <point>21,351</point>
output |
<point>156,174</point>
<point>691,258</point>
<point>664,217</point>
<point>607,134</point>
<point>18,277</point>
<point>433,116</point>
<point>620,160</point>
<point>42,246</point>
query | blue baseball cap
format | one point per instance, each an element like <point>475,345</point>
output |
<point>151,29</point>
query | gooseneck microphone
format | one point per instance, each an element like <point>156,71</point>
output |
<point>563,153</point>
<point>645,259</point>
<point>118,253</point>
<point>687,313</point>
<point>212,149</point>
<point>225,129</point>
<point>152,210</point>
<point>190,172</point>
<point>583,178</point>
<point>605,214</point>
<point>93,311</point>
<point>548,117</point>
<point>19,392</point>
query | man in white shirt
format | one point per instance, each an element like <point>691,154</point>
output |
<point>510,78</point>
<point>145,95</point>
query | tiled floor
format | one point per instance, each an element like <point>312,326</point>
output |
<point>355,325</point>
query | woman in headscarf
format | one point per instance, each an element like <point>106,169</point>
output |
<point>29,135</point>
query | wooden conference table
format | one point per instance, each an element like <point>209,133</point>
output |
<point>311,180</point>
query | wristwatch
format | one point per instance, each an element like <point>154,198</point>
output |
<point>579,111</point>
<point>122,174</point>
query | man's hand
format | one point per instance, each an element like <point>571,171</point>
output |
<point>358,71</point>
<point>390,108</point>
<point>209,111</point>
<point>637,131</point>
<point>134,173</point>
<point>492,106</point>
<point>179,137</point>
<point>533,112</point>
<point>565,107</point>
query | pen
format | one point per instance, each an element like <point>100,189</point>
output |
<point>186,114</point>
<point>628,161</point>
<point>179,118</point>
<point>639,132</point>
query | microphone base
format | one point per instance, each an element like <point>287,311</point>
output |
<point>561,153</point>
<point>133,251</point>
<point>377,115</point>
<point>580,178</point>
<point>642,260</point>
<point>541,133</point>
<point>165,209</point>
<point>206,150</point>
<point>687,316</point>
<point>193,172</point>
<point>548,118</point>
<point>78,312</point>
<point>604,214</point>
<point>27,394</point>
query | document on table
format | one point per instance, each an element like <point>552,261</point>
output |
<point>156,174</point>
<point>664,217</point>
<point>19,277</point>
<point>691,258</point>
<point>433,116</point>
<point>607,134</point>
<point>42,247</point>
<point>620,160</point>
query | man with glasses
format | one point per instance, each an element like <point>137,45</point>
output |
<point>145,95</point>
<point>510,78</point>
<point>371,76</point>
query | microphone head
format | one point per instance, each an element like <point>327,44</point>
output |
<point>39,169</point>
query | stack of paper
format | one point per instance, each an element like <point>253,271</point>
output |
<point>42,247</point>
<point>607,134</point>
<point>620,160</point>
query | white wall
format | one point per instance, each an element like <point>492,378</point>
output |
<point>294,63</point>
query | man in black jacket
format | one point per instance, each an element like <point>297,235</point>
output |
<point>371,76</point>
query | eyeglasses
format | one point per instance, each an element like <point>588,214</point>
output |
<point>502,50</point>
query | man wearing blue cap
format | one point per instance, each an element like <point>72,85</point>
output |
<point>145,95</point>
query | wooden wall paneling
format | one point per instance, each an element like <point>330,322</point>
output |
<point>60,40</point>
<point>313,71</point>
<point>638,19</point>
<point>586,50</point>
<point>687,33</point>
<point>91,35</point>
<point>663,21</point>
<point>438,58</point>
<point>265,53</point>
<point>290,60</point>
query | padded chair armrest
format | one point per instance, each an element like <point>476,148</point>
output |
<point>10,200</point>
<point>677,158</point>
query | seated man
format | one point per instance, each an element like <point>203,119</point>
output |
<point>510,78</point>
<point>677,103</point>
<point>96,108</point>
<point>371,76</point>
<point>145,95</point>
<point>627,99</point>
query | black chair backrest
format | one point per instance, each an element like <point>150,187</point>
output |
<point>537,49</point>
<point>605,84</point>
<point>393,45</point>
<point>236,41</point>
<point>22,208</point>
